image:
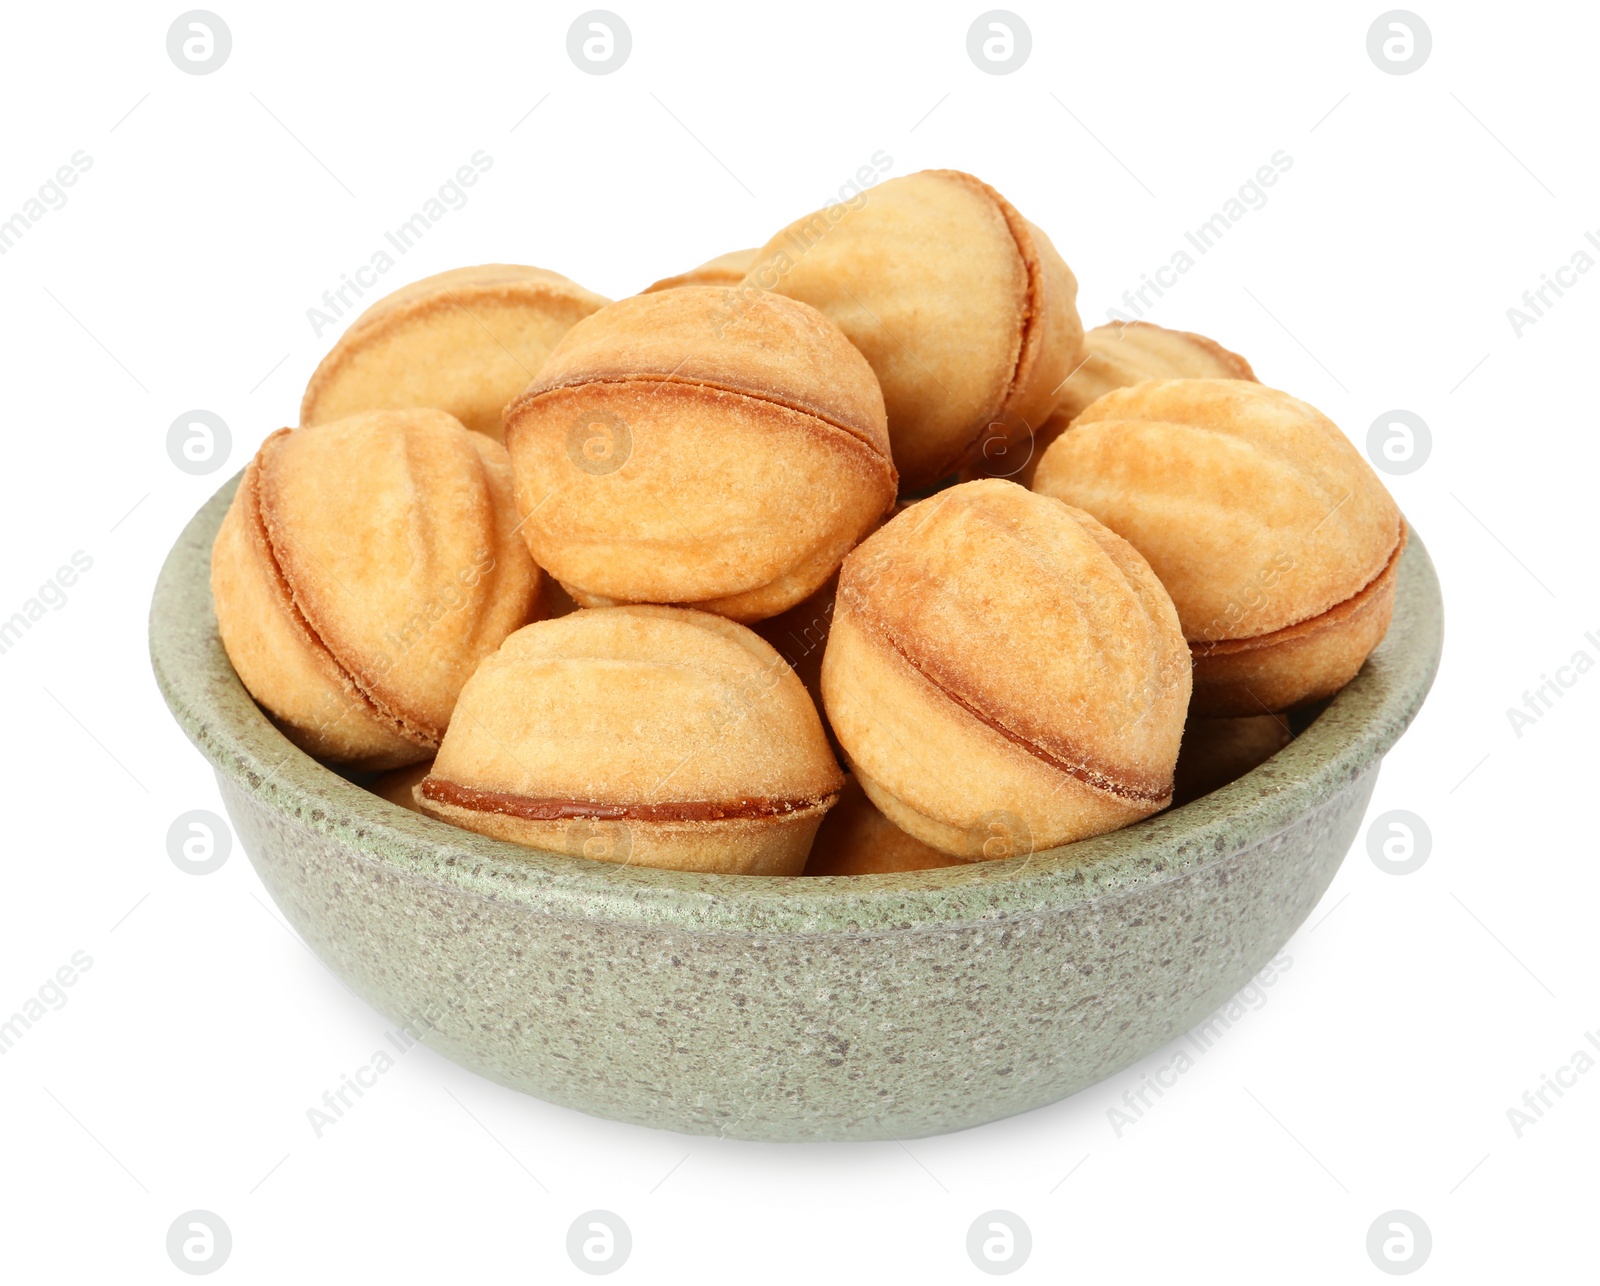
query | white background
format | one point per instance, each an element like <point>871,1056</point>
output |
<point>1418,1008</point>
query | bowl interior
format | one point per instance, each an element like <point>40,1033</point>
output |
<point>219,716</point>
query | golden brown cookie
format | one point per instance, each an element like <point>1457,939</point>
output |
<point>1276,540</point>
<point>964,309</point>
<point>644,735</point>
<point>856,839</point>
<point>1114,356</point>
<point>465,341</point>
<point>1005,673</point>
<point>724,270</point>
<point>711,447</point>
<point>362,571</point>
<point>1217,751</point>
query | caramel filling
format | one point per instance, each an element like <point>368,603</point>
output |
<point>535,809</point>
<point>1033,265</point>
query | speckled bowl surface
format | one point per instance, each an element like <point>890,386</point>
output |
<point>792,1008</point>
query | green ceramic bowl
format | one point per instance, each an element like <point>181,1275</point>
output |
<point>792,1008</point>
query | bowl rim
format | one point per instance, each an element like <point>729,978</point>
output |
<point>208,701</point>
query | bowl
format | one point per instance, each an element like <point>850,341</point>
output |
<point>761,1007</point>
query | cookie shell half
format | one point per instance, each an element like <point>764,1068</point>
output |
<point>646,735</point>
<point>964,309</point>
<point>464,341</point>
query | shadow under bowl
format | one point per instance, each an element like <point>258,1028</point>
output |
<point>867,1007</point>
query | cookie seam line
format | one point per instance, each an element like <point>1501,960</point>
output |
<point>441,790</point>
<point>1272,638</point>
<point>1096,779</point>
<point>529,396</point>
<point>1033,270</point>
<point>408,729</point>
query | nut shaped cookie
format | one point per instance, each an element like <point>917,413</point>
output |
<point>724,270</point>
<point>711,447</point>
<point>1004,673</point>
<point>651,736</point>
<point>965,310</point>
<point>1278,543</point>
<point>856,839</point>
<point>1114,356</point>
<point>465,342</point>
<point>362,571</point>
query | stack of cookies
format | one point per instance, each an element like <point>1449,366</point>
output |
<point>846,555</point>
